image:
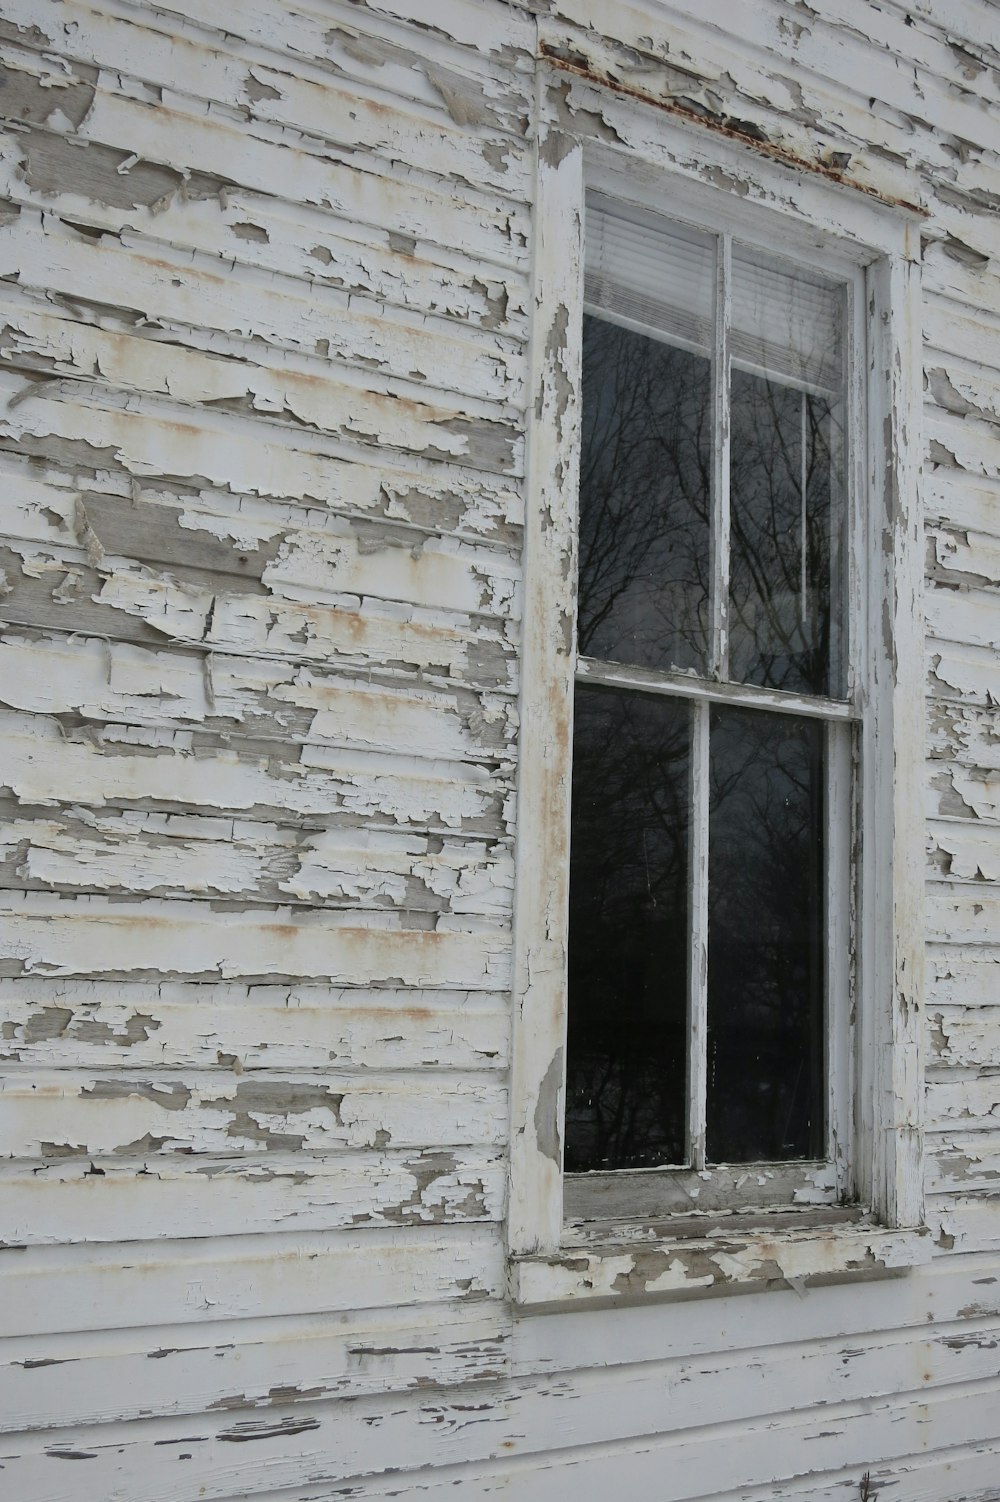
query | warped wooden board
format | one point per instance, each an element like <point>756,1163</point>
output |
<point>190,856</point>
<point>195,446</point>
<point>117,764</point>
<point>58,673</point>
<point>197,299</point>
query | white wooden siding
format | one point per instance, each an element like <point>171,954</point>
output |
<point>264,370</point>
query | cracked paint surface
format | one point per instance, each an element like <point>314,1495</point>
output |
<point>277,311</point>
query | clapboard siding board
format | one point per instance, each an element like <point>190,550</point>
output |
<point>113,762</point>
<point>219,1112</point>
<point>304,325</point>
<point>56,1290</point>
<point>221,365</point>
<point>266,315</point>
<point>320,108</point>
<point>151,938</point>
<point>131,602</point>
<point>59,673</point>
<point>172,131</point>
<point>100,1199</point>
<point>192,856</point>
<point>371,1436</point>
<point>288,256</point>
<point>227,1364</point>
<point>53,1024</point>
<point>214,1366</point>
<point>201,447</point>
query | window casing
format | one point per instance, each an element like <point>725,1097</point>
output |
<point>562,1244</point>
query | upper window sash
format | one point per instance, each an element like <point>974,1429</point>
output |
<point>691,569</point>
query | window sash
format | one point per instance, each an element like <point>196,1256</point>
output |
<point>840,788</point>
<point>830,1180</point>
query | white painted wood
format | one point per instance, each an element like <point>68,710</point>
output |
<point>52,1024</point>
<point>891,976</point>
<point>97,1198</point>
<point>541,897</point>
<point>719,532</point>
<point>697,1005</point>
<point>278,284</point>
<point>689,686</point>
<point>226,1365</point>
<point>880,1155</point>
<point>54,1290</point>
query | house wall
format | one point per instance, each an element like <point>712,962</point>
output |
<point>266,299</point>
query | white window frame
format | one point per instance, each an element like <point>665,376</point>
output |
<point>683,172</point>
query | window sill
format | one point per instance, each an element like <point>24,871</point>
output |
<point>634,1261</point>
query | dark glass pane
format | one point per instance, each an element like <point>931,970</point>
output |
<point>645,485</point>
<point>765,938</point>
<point>785,515</point>
<point>627,1056</point>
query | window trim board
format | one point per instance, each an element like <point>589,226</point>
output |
<point>887,1156</point>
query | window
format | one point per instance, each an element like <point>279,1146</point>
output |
<point>716,1070</point>
<point>714,711</point>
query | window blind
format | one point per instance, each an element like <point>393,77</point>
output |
<point>653,274</point>
<point>659,276</point>
<point>786,325</point>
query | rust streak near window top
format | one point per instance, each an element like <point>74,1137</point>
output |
<point>723,125</point>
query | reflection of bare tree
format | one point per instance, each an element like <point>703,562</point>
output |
<point>644,499</point>
<point>645,495</point>
<point>645,507</point>
<point>781,535</point>
<point>765,937</point>
<point>626,1071</point>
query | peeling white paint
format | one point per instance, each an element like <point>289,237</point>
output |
<point>268,350</point>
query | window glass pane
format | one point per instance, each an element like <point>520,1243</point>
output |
<point>786,480</point>
<point>627,1053</point>
<point>645,488</point>
<point>766,938</point>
